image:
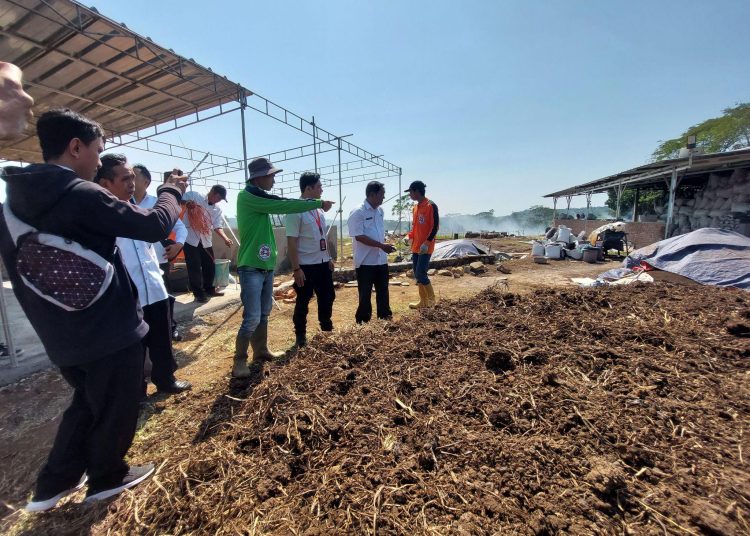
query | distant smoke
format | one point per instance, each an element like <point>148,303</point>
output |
<point>532,221</point>
<point>460,223</point>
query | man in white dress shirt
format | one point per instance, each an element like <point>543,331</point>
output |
<point>167,249</point>
<point>367,229</point>
<point>307,245</point>
<point>199,256</point>
<point>143,267</point>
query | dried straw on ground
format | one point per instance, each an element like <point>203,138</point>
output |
<point>611,410</point>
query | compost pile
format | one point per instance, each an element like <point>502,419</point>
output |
<point>605,410</point>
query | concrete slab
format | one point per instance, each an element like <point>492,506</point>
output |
<point>186,308</point>
<point>34,358</point>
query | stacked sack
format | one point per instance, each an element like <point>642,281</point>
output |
<point>724,203</point>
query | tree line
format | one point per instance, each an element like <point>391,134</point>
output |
<point>728,132</point>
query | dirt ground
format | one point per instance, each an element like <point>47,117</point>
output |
<point>186,424</point>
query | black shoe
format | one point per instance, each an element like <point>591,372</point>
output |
<point>213,293</point>
<point>44,503</point>
<point>177,386</point>
<point>201,298</point>
<point>176,335</point>
<point>135,476</point>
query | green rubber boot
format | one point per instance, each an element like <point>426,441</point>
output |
<point>259,343</point>
<point>240,368</point>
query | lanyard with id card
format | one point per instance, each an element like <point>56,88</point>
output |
<point>323,244</point>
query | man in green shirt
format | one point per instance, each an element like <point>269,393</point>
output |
<point>257,258</point>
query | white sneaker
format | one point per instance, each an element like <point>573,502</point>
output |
<point>136,475</point>
<point>42,505</point>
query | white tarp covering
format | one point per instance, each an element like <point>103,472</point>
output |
<point>453,249</point>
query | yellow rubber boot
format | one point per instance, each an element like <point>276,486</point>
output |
<point>429,296</point>
<point>422,303</point>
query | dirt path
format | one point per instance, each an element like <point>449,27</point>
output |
<point>30,410</point>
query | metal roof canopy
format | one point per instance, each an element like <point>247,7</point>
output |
<point>74,57</point>
<point>656,173</point>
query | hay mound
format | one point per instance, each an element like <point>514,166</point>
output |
<point>605,410</point>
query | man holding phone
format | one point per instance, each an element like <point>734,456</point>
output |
<point>97,347</point>
<point>167,249</point>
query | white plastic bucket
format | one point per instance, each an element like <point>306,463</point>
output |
<point>537,249</point>
<point>563,234</point>
<point>221,274</point>
<point>553,251</point>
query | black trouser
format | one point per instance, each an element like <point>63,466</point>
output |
<point>165,276</point>
<point>318,279</point>
<point>367,276</point>
<point>200,267</point>
<point>158,340</point>
<point>98,428</point>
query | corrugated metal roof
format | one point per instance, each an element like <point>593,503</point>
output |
<point>74,57</point>
<point>655,173</point>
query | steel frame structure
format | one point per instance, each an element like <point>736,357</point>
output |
<point>139,90</point>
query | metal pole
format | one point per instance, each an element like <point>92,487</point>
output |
<point>588,206</point>
<point>190,175</point>
<point>670,207</point>
<point>554,210</point>
<point>6,323</point>
<point>341,208</point>
<point>400,204</point>
<point>244,139</point>
<point>619,199</point>
<point>315,144</point>
<point>636,200</point>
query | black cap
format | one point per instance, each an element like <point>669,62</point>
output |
<point>416,185</point>
<point>220,190</point>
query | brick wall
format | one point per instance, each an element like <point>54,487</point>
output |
<point>640,234</point>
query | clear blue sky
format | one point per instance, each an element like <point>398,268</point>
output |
<point>492,103</point>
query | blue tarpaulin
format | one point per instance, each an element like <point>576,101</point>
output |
<point>708,256</point>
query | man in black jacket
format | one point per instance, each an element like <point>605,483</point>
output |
<point>98,349</point>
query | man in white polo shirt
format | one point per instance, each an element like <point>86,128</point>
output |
<point>307,244</point>
<point>367,229</point>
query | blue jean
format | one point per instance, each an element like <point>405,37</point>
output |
<point>256,292</point>
<point>421,262</point>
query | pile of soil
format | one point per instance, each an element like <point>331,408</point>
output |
<point>606,410</point>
